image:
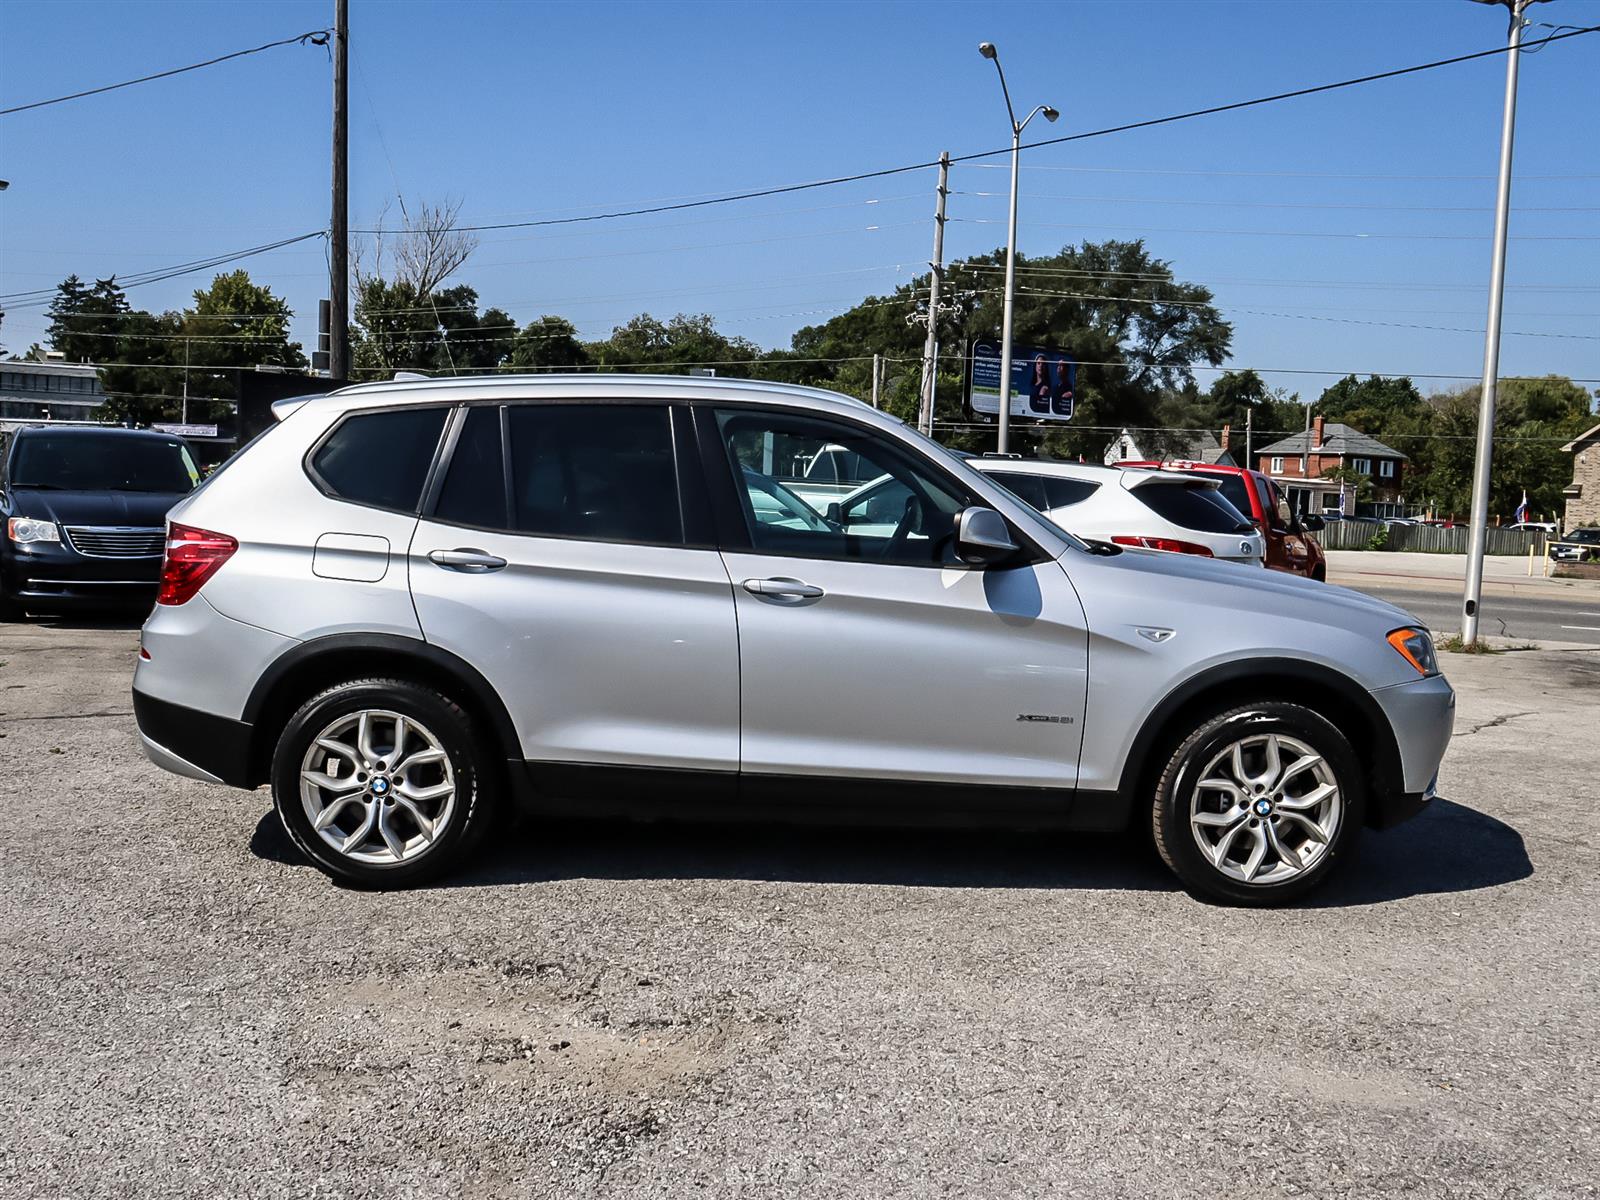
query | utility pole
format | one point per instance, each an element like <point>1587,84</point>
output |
<point>877,374</point>
<point>1305,446</point>
<point>339,220</point>
<point>1478,529</point>
<point>930,352</point>
<point>185,411</point>
<point>1249,430</point>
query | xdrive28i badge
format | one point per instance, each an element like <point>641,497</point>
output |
<point>1044,718</point>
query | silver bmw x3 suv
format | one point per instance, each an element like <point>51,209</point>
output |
<point>409,604</point>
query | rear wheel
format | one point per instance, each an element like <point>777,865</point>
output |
<point>1259,804</point>
<point>382,782</point>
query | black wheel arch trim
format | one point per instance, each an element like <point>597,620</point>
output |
<point>478,692</point>
<point>1382,753</point>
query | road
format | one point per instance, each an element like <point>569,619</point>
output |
<point>1536,618</point>
<point>1528,608</point>
<point>618,1011</point>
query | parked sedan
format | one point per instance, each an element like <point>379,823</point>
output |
<point>1581,545</point>
<point>1149,510</point>
<point>85,512</point>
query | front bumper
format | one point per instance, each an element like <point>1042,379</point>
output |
<point>1422,714</point>
<point>52,575</point>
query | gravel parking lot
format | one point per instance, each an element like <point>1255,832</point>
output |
<point>188,1010</point>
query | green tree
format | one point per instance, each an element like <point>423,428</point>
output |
<point>1534,417</point>
<point>85,321</point>
<point>648,343</point>
<point>1137,331</point>
<point>548,343</point>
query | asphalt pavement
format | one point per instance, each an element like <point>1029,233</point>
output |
<point>187,1009</point>
<point>1515,605</point>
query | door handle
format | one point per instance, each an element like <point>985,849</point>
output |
<point>785,589</point>
<point>466,560</point>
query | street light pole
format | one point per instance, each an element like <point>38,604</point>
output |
<point>1478,531</point>
<point>339,218</point>
<point>988,50</point>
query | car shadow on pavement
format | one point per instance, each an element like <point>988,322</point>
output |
<point>1449,848</point>
<point>106,620</point>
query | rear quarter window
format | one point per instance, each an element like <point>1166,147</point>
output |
<point>1027,488</point>
<point>1193,506</point>
<point>380,458</point>
<point>1061,493</point>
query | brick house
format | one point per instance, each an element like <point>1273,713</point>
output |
<point>1583,493</point>
<point>1330,447</point>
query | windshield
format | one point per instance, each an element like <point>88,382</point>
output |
<point>103,462</point>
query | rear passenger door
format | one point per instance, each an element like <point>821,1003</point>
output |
<point>561,556</point>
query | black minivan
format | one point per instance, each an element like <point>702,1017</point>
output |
<point>85,515</point>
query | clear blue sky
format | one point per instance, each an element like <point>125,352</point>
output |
<point>522,109</point>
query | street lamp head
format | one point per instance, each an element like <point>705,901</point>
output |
<point>987,50</point>
<point>1050,114</point>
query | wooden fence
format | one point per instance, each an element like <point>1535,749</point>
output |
<point>1430,539</point>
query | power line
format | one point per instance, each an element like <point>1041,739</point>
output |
<point>41,297</point>
<point>1271,174</point>
<point>1072,137</point>
<point>317,37</point>
<point>21,301</point>
<point>1296,233</point>
<point>1422,208</point>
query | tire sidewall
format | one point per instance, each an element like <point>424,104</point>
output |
<point>444,719</point>
<point>1176,787</point>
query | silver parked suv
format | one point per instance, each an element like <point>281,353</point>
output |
<point>409,603</point>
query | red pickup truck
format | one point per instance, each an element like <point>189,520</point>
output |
<point>1289,544</point>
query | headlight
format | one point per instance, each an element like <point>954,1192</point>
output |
<point>26,529</point>
<point>1416,647</point>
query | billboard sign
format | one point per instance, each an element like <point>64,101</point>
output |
<point>1044,382</point>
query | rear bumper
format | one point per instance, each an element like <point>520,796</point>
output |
<point>192,743</point>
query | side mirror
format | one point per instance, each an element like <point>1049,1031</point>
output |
<point>834,515</point>
<point>1312,523</point>
<point>982,536</point>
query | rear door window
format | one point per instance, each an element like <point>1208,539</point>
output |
<point>1193,506</point>
<point>474,491</point>
<point>380,458</point>
<point>604,472</point>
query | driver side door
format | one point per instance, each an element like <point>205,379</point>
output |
<point>867,650</point>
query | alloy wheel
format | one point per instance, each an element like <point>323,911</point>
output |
<point>378,787</point>
<point>1266,809</point>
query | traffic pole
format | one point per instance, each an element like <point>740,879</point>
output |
<point>1478,530</point>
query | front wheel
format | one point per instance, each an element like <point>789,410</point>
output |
<point>1259,804</point>
<point>382,782</point>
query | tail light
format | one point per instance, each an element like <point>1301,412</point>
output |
<point>1170,545</point>
<point>193,556</point>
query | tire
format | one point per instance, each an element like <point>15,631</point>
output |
<point>411,828</point>
<point>1320,574</point>
<point>1302,839</point>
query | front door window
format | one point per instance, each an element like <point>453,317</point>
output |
<point>817,489</point>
